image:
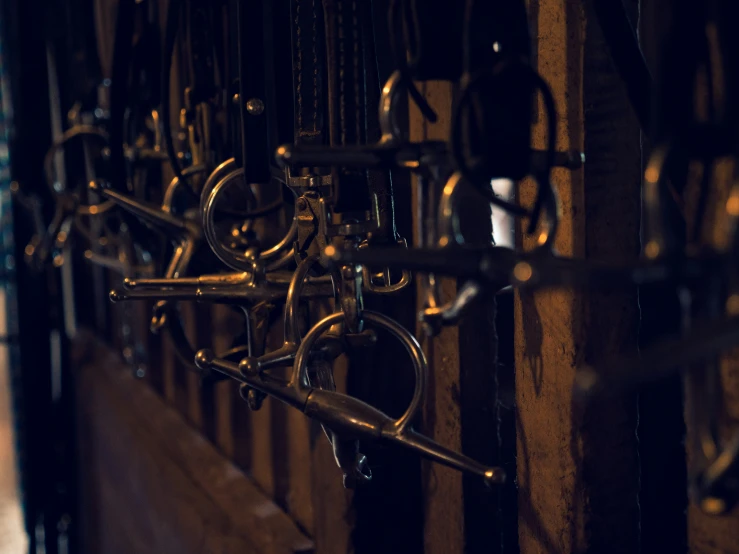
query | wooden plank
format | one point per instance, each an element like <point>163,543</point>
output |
<point>612,179</point>
<point>315,494</point>
<point>444,508</point>
<point>707,533</point>
<point>332,514</point>
<point>665,526</point>
<point>169,369</point>
<point>159,487</point>
<point>263,432</point>
<point>296,433</point>
<point>663,496</point>
<point>172,384</point>
<point>393,500</point>
<point>225,392</point>
<point>478,399</point>
<point>190,379</point>
<point>577,469</point>
<point>383,377</point>
<point>330,502</point>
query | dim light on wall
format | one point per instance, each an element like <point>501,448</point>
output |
<point>503,222</point>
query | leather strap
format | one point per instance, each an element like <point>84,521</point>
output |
<point>379,181</point>
<point>122,51</point>
<point>433,42</point>
<point>201,50</point>
<point>146,63</point>
<point>627,56</point>
<point>309,71</point>
<point>346,65</point>
<point>500,89</point>
<point>253,35</point>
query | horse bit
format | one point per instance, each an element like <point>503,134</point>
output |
<point>328,190</point>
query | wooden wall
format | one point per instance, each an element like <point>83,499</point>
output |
<point>151,483</point>
<point>578,469</point>
<point>172,465</point>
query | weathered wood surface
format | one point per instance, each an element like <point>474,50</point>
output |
<point>443,499</point>
<point>578,469</point>
<point>663,496</point>
<point>329,502</point>
<point>707,533</point>
<point>225,392</point>
<point>153,484</point>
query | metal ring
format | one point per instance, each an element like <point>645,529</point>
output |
<point>213,178</point>
<point>81,131</point>
<point>175,183</point>
<point>389,127</point>
<point>233,259</point>
<point>292,299</point>
<point>300,367</point>
<point>448,229</point>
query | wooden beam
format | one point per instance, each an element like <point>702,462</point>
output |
<point>155,484</point>
<point>193,326</point>
<point>225,393</point>
<point>708,533</point>
<point>329,501</point>
<point>663,495</point>
<point>578,469</point>
<point>443,500</point>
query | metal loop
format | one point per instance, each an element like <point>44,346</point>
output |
<point>391,93</point>
<point>300,367</point>
<point>231,258</point>
<point>388,287</point>
<point>292,300</point>
<point>175,184</point>
<point>78,131</point>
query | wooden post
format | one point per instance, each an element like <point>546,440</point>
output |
<point>330,502</point>
<point>663,496</point>
<point>707,533</point>
<point>225,391</point>
<point>193,324</point>
<point>443,501</point>
<point>578,469</point>
<point>158,486</point>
